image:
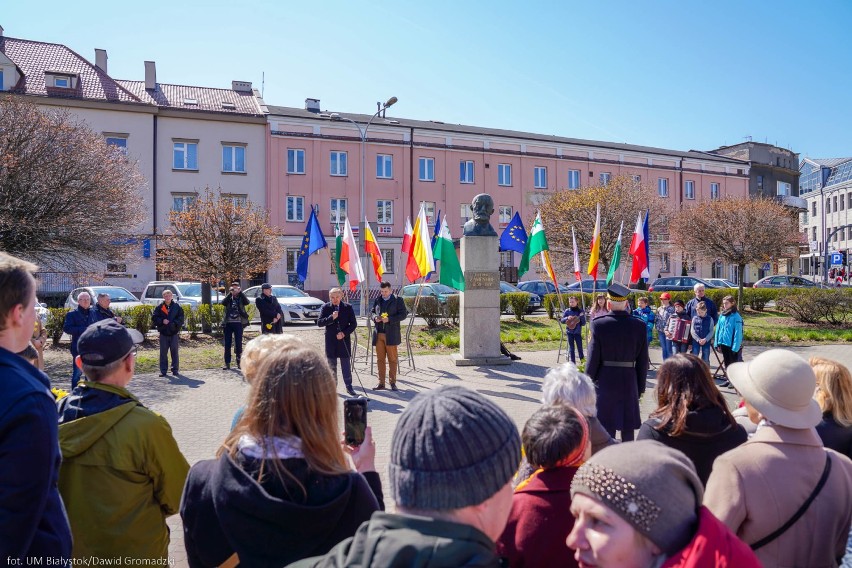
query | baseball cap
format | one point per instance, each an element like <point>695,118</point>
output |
<point>106,342</point>
<point>665,296</point>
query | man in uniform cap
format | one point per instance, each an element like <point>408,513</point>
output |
<point>617,362</point>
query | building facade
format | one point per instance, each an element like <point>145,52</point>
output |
<point>826,224</point>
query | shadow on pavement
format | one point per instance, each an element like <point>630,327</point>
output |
<point>185,381</point>
<point>509,395</point>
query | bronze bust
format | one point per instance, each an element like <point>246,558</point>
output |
<point>483,208</point>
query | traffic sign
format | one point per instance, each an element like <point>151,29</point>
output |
<point>836,259</point>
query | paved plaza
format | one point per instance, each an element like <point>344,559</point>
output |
<point>201,404</point>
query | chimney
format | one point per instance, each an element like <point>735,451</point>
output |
<point>312,105</point>
<point>150,76</point>
<point>241,86</point>
<point>1,31</point>
<point>101,59</point>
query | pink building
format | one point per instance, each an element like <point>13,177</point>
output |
<point>315,160</point>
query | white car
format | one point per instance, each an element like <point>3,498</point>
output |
<point>185,293</point>
<point>120,298</point>
<point>297,305</point>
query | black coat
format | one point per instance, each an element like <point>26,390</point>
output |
<point>175,317</point>
<point>345,322</point>
<point>268,307</point>
<point>242,301</point>
<point>397,312</point>
<point>618,337</point>
<point>835,436</point>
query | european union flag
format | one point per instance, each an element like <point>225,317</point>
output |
<point>514,236</point>
<point>312,241</point>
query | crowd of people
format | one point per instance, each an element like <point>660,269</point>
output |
<point>95,474</point>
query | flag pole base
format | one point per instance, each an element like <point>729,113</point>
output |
<point>479,361</point>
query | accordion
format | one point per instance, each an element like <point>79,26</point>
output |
<point>679,329</point>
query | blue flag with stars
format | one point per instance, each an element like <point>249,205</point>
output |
<point>312,241</point>
<point>514,236</point>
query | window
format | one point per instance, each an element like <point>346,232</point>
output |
<point>295,208</point>
<point>117,142</point>
<point>295,161</point>
<point>185,156</point>
<point>182,201</point>
<point>234,158</point>
<point>237,200</point>
<point>292,259</point>
<point>507,259</point>
<point>2,88</point>
<point>760,183</point>
<point>466,171</point>
<point>663,187</point>
<point>384,166</point>
<point>665,262</point>
<point>813,205</point>
<point>814,235</point>
<point>828,205</point>
<point>504,174</point>
<point>605,177</point>
<point>505,214</point>
<point>540,177</point>
<point>835,204</point>
<point>689,189</point>
<point>332,267</point>
<point>690,262</point>
<point>338,210</point>
<point>429,206</point>
<point>62,82</point>
<point>338,164</point>
<point>842,203</point>
<point>427,169</point>
<point>387,256</point>
<point>384,212</point>
<point>783,188</point>
<point>573,179</point>
<point>466,212</point>
<point>848,201</point>
<point>714,191</point>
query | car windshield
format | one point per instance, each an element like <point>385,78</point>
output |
<point>116,294</point>
<point>505,287</point>
<point>285,292</point>
<point>442,289</point>
<point>191,290</point>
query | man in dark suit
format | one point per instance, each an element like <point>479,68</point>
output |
<point>618,364</point>
<point>338,319</point>
<point>388,312</point>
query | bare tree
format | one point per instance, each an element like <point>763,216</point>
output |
<point>622,199</point>
<point>219,237</point>
<point>738,231</point>
<point>67,200</point>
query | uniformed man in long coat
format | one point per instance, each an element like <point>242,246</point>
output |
<point>617,362</point>
<point>338,319</point>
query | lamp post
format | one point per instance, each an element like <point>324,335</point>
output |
<point>362,211</point>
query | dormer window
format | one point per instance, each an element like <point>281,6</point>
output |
<point>229,106</point>
<point>60,80</point>
<point>190,102</point>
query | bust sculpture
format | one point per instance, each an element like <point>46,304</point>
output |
<point>479,226</point>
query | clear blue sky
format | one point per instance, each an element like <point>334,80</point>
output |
<point>673,74</point>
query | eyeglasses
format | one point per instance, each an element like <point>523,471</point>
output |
<point>133,352</point>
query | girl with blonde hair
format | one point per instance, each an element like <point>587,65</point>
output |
<point>834,395</point>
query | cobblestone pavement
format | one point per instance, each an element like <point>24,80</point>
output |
<point>200,404</point>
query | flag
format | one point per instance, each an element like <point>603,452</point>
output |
<point>444,250</point>
<point>548,267</point>
<point>435,234</point>
<point>371,247</point>
<point>514,236</point>
<point>638,252</point>
<point>338,248</point>
<point>646,274</point>
<point>420,261</point>
<point>312,241</point>
<point>349,260</point>
<point>594,256</point>
<point>406,237</point>
<point>536,243</point>
<point>616,258</point>
<point>577,275</point>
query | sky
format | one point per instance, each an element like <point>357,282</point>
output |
<point>672,74</point>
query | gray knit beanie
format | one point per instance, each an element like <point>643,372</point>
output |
<point>452,448</point>
<point>651,486</point>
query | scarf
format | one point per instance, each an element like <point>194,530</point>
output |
<point>729,311</point>
<point>280,447</point>
<point>573,459</point>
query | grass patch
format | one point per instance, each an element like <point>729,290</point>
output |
<point>771,326</point>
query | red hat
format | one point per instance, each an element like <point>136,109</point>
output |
<point>665,296</point>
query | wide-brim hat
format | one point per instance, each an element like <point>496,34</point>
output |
<point>780,385</point>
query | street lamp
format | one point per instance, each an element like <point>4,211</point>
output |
<point>362,212</point>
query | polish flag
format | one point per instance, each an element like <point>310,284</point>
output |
<point>638,252</point>
<point>406,237</point>
<point>577,275</point>
<point>350,262</point>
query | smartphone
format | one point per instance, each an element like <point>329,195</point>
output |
<point>355,420</point>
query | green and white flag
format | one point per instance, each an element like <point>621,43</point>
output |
<point>616,258</point>
<point>536,243</point>
<point>450,270</point>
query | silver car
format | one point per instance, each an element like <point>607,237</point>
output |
<point>120,298</point>
<point>297,305</point>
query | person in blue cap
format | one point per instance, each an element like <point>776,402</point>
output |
<point>617,362</point>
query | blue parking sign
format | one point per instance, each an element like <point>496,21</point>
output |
<point>836,259</point>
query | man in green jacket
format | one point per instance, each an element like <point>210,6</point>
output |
<point>122,471</point>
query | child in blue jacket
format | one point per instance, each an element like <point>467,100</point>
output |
<point>646,314</point>
<point>575,316</point>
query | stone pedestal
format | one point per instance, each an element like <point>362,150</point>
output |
<point>479,307</point>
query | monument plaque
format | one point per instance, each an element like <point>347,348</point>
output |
<point>481,281</point>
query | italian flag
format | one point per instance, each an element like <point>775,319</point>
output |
<point>451,272</point>
<point>616,258</point>
<point>350,262</point>
<point>371,247</point>
<point>595,255</point>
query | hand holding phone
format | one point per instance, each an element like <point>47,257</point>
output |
<point>364,456</point>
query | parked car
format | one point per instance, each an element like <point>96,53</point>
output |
<point>535,299</point>
<point>785,282</point>
<point>120,298</point>
<point>720,282</point>
<point>296,304</point>
<point>677,284</point>
<point>439,291</point>
<point>541,287</point>
<point>185,293</point>
<point>588,286</point>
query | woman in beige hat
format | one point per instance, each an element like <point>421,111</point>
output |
<point>782,493</point>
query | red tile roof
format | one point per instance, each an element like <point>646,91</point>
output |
<point>34,58</point>
<point>207,99</point>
